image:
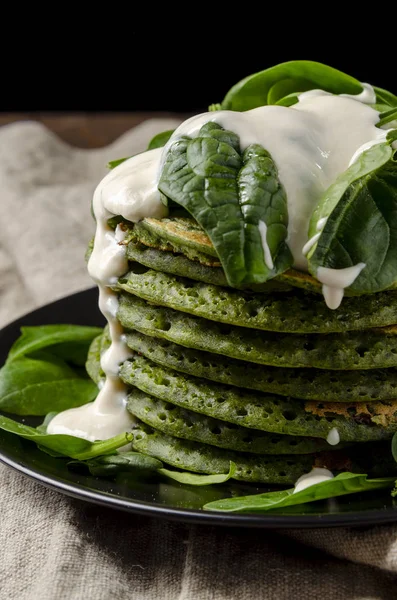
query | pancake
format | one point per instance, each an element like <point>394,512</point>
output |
<point>185,236</point>
<point>186,424</point>
<point>178,264</point>
<point>373,349</point>
<point>306,384</point>
<point>288,313</point>
<point>93,365</point>
<point>200,458</point>
<point>275,414</point>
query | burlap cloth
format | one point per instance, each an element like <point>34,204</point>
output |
<point>53,547</point>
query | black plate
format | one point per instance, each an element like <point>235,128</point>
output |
<point>167,500</point>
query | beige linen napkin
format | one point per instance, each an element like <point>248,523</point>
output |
<point>53,547</point>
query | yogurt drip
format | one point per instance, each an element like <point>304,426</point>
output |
<point>333,437</point>
<point>266,250</point>
<point>335,281</point>
<point>129,190</point>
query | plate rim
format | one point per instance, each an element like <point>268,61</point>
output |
<point>193,516</point>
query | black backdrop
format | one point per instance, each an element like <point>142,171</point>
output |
<point>172,72</point>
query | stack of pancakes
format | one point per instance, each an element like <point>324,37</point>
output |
<point>262,377</point>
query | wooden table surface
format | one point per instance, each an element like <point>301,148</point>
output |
<point>88,130</point>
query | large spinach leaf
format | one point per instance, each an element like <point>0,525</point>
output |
<point>360,215</point>
<point>38,384</point>
<point>44,336</point>
<point>236,197</point>
<point>282,84</point>
<point>40,375</point>
<point>342,484</point>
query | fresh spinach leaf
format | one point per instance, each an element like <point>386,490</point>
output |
<point>35,379</point>
<point>385,97</point>
<point>289,100</point>
<point>39,337</point>
<point>35,385</point>
<point>67,445</point>
<point>74,353</point>
<point>160,140</point>
<point>367,162</point>
<point>342,484</point>
<point>360,209</point>
<point>272,85</point>
<point>197,478</point>
<point>108,466</point>
<point>115,163</point>
<point>387,117</point>
<point>392,135</point>
<point>283,83</point>
<point>236,197</point>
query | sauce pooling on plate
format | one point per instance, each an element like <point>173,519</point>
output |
<point>316,475</point>
<point>311,143</point>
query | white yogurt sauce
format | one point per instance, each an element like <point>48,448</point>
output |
<point>129,190</point>
<point>310,243</point>
<point>266,250</point>
<point>335,281</point>
<point>333,437</point>
<point>321,223</point>
<point>367,96</point>
<point>316,475</point>
<point>311,143</point>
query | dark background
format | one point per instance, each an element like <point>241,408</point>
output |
<point>150,85</point>
<point>98,68</point>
